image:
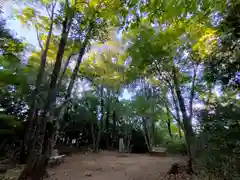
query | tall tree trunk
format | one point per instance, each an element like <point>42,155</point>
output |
<point>179,132</point>
<point>32,112</point>
<point>129,139</point>
<point>93,136</point>
<point>169,124</point>
<point>192,93</point>
<point>189,135</point>
<point>101,107</point>
<point>145,133</point>
<point>98,140</point>
<point>114,127</point>
<point>64,70</point>
<point>153,132</point>
<point>37,163</point>
<point>54,86</point>
<point>107,125</point>
<point>34,169</point>
<point>79,61</point>
<point>169,129</point>
<point>102,116</point>
<point>77,66</point>
<point>178,118</point>
<point>115,119</point>
<point>30,142</point>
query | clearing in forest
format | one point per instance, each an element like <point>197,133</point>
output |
<point>112,166</point>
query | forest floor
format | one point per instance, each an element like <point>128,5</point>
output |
<point>113,166</point>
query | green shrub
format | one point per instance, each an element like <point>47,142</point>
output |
<point>219,153</point>
<point>176,146</point>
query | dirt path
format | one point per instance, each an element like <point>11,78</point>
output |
<point>112,166</point>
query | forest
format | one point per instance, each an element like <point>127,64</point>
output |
<point>152,73</point>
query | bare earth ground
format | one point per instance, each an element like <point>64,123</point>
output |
<point>113,166</point>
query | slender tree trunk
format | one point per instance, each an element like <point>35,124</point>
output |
<point>145,133</point>
<point>189,135</point>
<point>64,70</point>
<point>98,140</point>
<point>102,116</point>
<point>169,129</point>
<point>28,141</point>
<point>66,26</point>
<point>153,132</point>
<point>34,169</point>
<point>169,125</point>
<point>129,143</point>
<point>79,61</point>
<point>32,112</point>
<point>115,118</point>
<point>107,126</point>
<point>55,73</point>
<point>208,96</point>
<point>93,137</point>
<point>102,113</point>
<point>107,119</point>
<point>178,118</point>
<point>179,132</point>
<point>37,162</point>
<point>192,93</point>
<point>114,127</point>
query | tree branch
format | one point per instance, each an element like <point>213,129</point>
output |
<point>192,93</point>
<point>49,15</point>
<point>178,118</point>
<point>168,109</point>
<point>54,2</point>
<point>38,38</point>
<point>160,74</point>
<point>65,68</point>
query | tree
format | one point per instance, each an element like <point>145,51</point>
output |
<point>160,52</point>
<point>38,159</point>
